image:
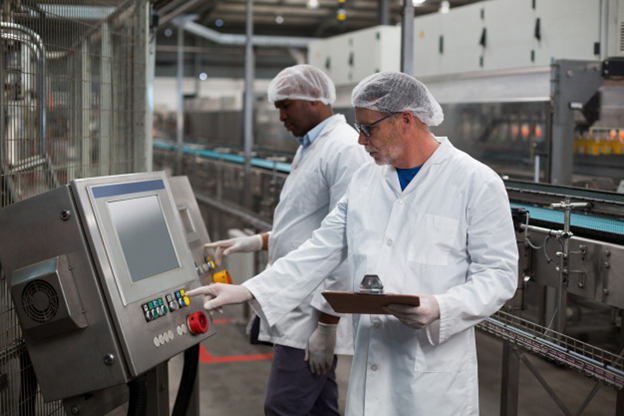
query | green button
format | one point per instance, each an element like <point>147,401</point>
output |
<point>155,313</point>
<point>160,302</point>
<point>150,305</point>
<point>165,309</point>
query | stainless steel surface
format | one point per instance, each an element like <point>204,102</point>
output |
<point>571,81</point>
<point>196,234</point>
<point>594,362</point>
<point>134,333</point>
<point>593,268</point>
<point>248,105</point>
<point>407,38</point>
<point>57,359</point>
<point>113,343</point>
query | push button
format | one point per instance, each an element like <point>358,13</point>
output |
<point>197,323</point>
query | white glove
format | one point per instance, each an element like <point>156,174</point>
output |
<point>235,245</point>
<point>416,316</point>
<point>320,350</point>
<point>219,294</point>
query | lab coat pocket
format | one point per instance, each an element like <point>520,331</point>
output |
<point>455,354</point>
<point>435,237</point>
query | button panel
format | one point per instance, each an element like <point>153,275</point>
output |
<point>160,307</point>
<point>162,339</point>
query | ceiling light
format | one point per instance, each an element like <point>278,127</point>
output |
<point>203,76</point>
<point>279,20</point>
<point>416,3</point>
<point>445,6</point>
<point>218,23</point>
<point>312,4</point>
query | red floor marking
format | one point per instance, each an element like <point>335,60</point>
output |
<point>205,357</point>
<point>220,321</point>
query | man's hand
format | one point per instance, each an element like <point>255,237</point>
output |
<point>235,245</point>
<point>320,350</point>
<point>219,294</point>
<point>416,316</point>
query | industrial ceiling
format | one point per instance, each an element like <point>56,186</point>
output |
<point>301,18</point>
<point>283,18</point>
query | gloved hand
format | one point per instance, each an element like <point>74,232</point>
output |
<point>219,294</point>
<point>320,350</point>
<point>416,316</point>
<point>235,245</point>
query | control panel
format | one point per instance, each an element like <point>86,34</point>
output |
<point>99,283</point>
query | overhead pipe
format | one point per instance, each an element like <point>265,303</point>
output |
<point>231,39</point>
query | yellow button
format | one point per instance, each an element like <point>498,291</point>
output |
<point>187,301</point>
<point>182,292</point>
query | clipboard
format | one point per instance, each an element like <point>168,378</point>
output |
<point>366,303</point>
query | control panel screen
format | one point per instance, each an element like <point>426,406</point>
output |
<point>144,237</point>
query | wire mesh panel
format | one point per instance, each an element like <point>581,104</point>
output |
<point>73,104</point>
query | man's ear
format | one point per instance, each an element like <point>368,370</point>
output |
<point>407,118</point>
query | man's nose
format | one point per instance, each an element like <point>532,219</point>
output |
<point>362,139</point>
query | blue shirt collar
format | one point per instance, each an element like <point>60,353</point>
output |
<point>310,136</point>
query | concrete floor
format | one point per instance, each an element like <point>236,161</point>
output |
<point>235,386</point>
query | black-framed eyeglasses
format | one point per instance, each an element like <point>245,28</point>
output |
<point>365,128</point>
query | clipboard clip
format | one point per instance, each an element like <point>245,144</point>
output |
<point>371,283</point>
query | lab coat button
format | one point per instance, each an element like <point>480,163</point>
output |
<point>374,367</point>
<point>389,243</point>
<point>376,324</point>
<point>400,202</point>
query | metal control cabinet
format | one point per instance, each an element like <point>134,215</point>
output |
<point>88,321</point>
<point>511,34</point>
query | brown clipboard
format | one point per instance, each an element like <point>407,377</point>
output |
<point>366,303</point>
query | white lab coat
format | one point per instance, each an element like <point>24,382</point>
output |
<point>318,179</point>
<point>450,234</point>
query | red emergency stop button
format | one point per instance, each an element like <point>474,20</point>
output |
<point>197,323</point>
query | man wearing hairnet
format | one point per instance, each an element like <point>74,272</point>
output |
<point>430,221</point>
<point>302,379</point>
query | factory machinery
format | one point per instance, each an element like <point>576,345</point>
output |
<point>571,244</point>
<point>568,307</point>
<point>568,216</point>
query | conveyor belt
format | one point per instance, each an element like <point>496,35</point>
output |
<point>589,226</point>
<point>565,191</point>
<point>576,220</point>
<point>583,225</point>
<point>227,157</point>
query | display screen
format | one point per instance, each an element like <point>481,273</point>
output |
<point>144,237</point>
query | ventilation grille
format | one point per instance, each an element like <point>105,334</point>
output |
<point>40,301</point>
<point>622,37</point>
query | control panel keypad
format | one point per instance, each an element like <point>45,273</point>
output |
<point>160,307</point>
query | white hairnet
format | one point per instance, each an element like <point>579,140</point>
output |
<point>302,82</point>
<point>394,92</point>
